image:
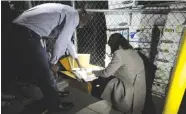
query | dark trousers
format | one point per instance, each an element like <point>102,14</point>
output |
<point>30,62</point>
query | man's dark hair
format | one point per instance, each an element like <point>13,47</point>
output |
<point>84,16</point>
<point>117,40</point>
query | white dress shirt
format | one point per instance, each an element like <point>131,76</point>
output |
<point>43,18</point>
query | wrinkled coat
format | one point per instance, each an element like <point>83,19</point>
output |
<point>127,90</point>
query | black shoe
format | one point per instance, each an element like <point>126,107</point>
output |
<point>64,94</point>
<point>7,96</point>
<point>62,107</point>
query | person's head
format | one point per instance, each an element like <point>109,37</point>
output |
<point>84,17</point>
<point>117,40</point>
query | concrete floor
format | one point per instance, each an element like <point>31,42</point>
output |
<point>80,100</point>
<point>83,102</point>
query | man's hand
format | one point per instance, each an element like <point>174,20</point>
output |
<point>54,68</point>
<point>80,66</point>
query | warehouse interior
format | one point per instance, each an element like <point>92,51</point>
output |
<point>155,28</point>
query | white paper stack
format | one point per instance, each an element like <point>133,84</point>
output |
<point>84,74</point>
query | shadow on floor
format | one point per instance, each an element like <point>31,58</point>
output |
<point>159,104</point>
<point>80,100</point>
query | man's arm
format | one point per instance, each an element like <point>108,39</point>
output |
<point>79,64</point>
<point>73,53</point>
<point>64,38</point>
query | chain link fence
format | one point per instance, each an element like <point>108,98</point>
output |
<point>155,28</point>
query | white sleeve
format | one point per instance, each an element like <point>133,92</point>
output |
<point>72,50</point>
<point>64,37</point>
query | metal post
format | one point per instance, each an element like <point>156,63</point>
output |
<point>178,10</point>
<point>29,4</point>
<point>178,81</point>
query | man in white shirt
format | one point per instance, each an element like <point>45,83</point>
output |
<point>50,20</point>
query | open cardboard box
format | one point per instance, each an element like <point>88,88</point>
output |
<point>70,64</point>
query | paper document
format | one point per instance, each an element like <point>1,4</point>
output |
<point>85,74</point>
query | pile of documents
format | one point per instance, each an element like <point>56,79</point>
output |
<point>84,74</point>
<point>73,71</point>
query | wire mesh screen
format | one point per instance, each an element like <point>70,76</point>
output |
<point>92,38</point>
<point>154,28</point>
